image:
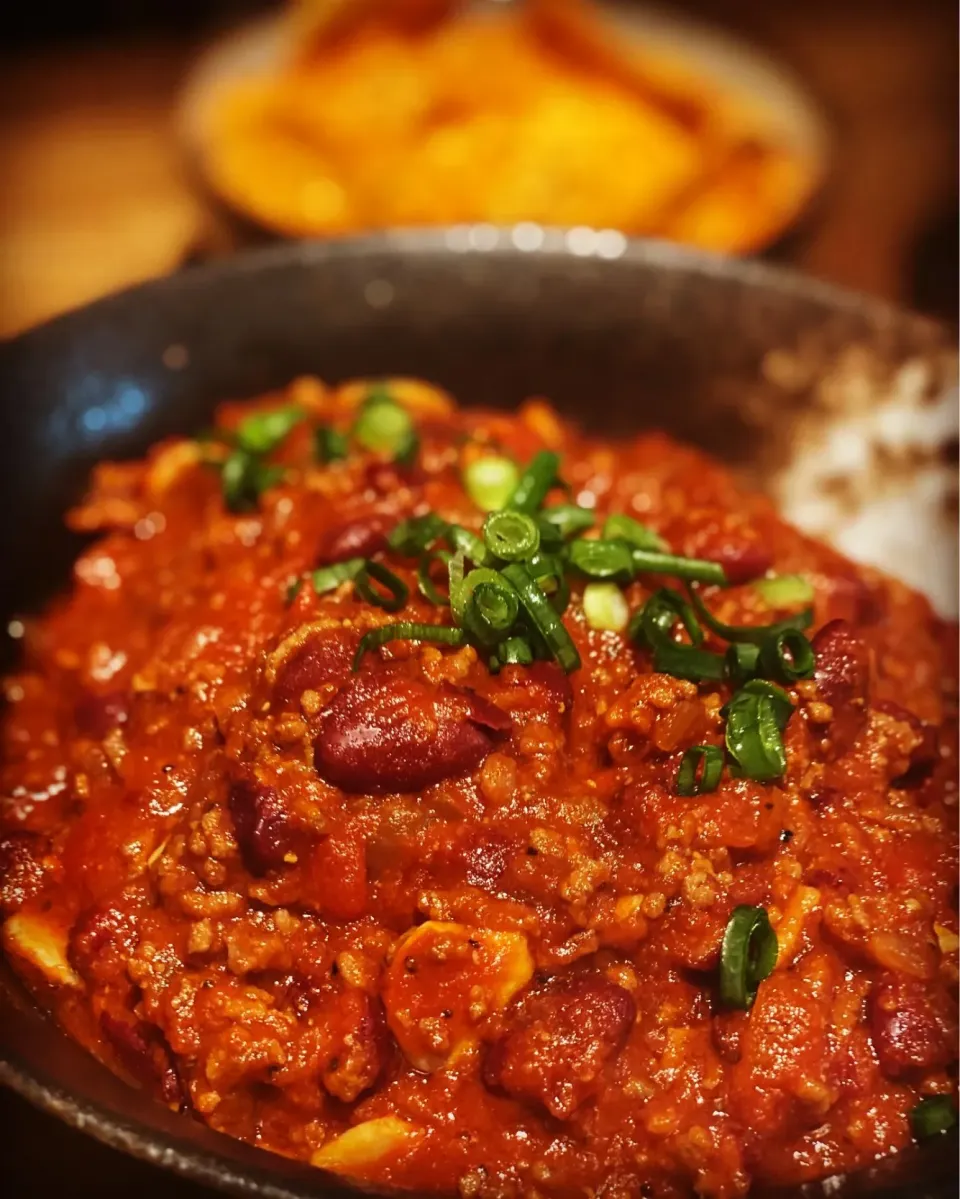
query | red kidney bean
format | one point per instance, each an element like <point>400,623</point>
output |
<point>323,658</point>
<point>359,1044</point>
<point>360,538</point>
<point>843,679</point>
<point>913,1025</point>
<point>21,868</point>
<point>96,714</point>
<point>561,1036</point>
<point>741,560</point>
<point>144,1053</point>
<point>262,825</point>
<point>387,732</point>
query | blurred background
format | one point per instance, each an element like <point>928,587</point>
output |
<point>118,165</point>
<point>101,190</point>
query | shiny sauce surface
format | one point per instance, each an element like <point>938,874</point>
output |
<point>435,927</point>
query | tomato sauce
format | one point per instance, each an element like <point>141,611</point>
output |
<point>453,930</point>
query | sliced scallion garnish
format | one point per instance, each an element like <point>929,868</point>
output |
<point>329,578</point>
<point>568,519</point>
<point>329,445</point>
<point>605,607</point>
<point>624,528</point>
<point>244,477</point>
<point>748,955</point>
<point>386,427</point>
<point>757,634</point>
<point>425,584</point>
<point>691,569</point>
<point>756,717</point>
<point>491,610</point>
<point>542,616</point>
<point>701,769</point>
<point>466,542</point>
<point>263,432</point>
<point>407,631</point>
<point>535,482</point>
<point>933,1116</point>
<point>515,651</point>
<point>417,533</point>
<point>511,536</point>
<point>742,662</point>
<point>397,592</point>
<point>491,481</point>
<point>653,625</point>
<point>787,656</point>
<point>599,559</point>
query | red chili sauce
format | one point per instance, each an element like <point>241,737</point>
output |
<point>436,925</point>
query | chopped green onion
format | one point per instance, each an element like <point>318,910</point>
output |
<point>692,569</point>
<point>329,445</point>
<point>491,611</point>
<point>569,519</point>
<point>515,651</point>
<point>787,656</point>
<point>653,625</point>
<point>701,769</point>
<point>407,631</point>
<point>548,572</point>
<point>491,481</point>
<point>599,559</point>
<point>757,634</point>
<point>932,1116</point>
<point>748,954</point>
<point>469,544</point>
<point>329,578</point>
<point>756,717</point>
<point>656,620</point>
<point>292,589</point>
<point>415,534</point>
<point>397,591</point>
<point>244,477</point>
<point>742,662</point>
<point>624,528</point>
<point>511,536</point>
<point>425,584</point>
<point>385,426</point>
<point>542,616</point>
<point>462,590</point>
<point>605,607</point>
<point>785,591</point>
<point>535,482</point>
<point>262,432</point>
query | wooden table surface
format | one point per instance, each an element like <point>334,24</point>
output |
<point>95,195</point>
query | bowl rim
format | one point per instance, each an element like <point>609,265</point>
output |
<point>525,240</point>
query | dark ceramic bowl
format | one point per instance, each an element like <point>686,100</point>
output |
<point>730,355</point>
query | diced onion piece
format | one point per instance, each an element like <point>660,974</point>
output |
<point>34,940</point>
<point>605,607</point>
<point>803,902</point>
<point>947,939</point>
<point>444,980</point>
<point>365,1145</point>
